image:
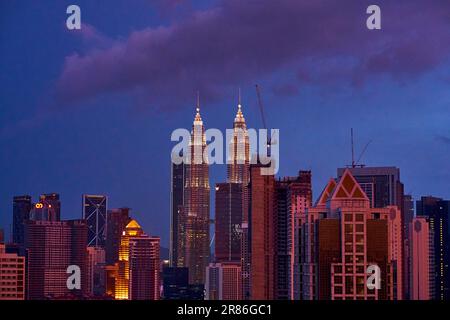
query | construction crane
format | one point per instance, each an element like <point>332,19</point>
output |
<point>355,163</point>
<point>263,117</point>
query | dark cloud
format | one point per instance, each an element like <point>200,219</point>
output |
<point>443,139</point>
<point>247,40</point>
<point>285,90</point>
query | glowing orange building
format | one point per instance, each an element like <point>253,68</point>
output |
<point>138,267</point>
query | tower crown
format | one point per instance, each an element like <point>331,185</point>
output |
<point>239,120</point>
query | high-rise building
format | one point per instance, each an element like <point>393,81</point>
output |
<point>420,259</point>
<point>51,202</point>
<point>261,234</point>
<point>383,187</point>
<point>117,220</point>
<point>132,229</point>
<point>21,213</point>
<point>94,212</point>
<point>437,212</point>
<point>343,236</point>
<point>238,163</point>
<point>408,216</point>
<point>195,216</point>
<point>96,279</point>
<point>144,268</point>
<point>138,267</point>
<point>12,275</point>
<point>300,198</point>
<point>238,172</point>
<point>2,236</point>
<point>228,220</point>
<point>52,247</point>
<point>178,180</point>
<point>223,281</point>
<point>293,195</point>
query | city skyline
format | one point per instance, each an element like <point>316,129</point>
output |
<point>113,138</point>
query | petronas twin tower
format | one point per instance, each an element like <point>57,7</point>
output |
<point>190,196</point>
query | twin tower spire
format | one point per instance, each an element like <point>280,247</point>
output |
<point>239,119</point>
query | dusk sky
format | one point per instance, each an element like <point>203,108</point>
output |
<point>92,110</point>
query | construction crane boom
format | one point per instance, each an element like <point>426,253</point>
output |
<point>261,106</point>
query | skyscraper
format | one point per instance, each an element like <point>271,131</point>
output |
<point>144,268</point>
<point>238,172</point>
<point>343,236</point>
<point>300,199</point>
<point>228,209</point>
<point>261,234</point>
<point>52,247</point>
<point>293,196</point>
<point>117,220</point>
<point>420,265</point>
<point>133,229</point>
<point>383,187</point>
<point>12,275</point>
<point>195,218</point>
<point>238,163</point>
<point>94,212</point>
<point>178,180</point>
<point>437,212</point>
<point>21,213</point>
<point>138,267</point>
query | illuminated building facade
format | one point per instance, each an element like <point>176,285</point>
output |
<point>238,163</point>
<point>132,229</point>
<point>223,281</point>
<point>52,247</point>
<point>343,236</point>
<point>195,216</point>
<point>238,172</point>
<point>94,212</point>
<point>437,212</point>
<point>420,259</point>
<point>12,275</point>
<point>144,268</point>
<point>138,267</point>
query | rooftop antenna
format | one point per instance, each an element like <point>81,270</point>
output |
<point>239,97</point>
<point>356,163</point>
<point>353,148</point>
<point>198,100</point>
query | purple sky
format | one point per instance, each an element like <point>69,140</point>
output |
<point>91,111</point>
